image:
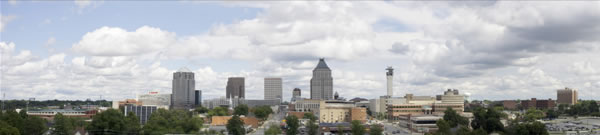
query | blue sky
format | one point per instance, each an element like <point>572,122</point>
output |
<point>78,50</point>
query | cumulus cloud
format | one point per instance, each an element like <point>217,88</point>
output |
<point>489,49</point>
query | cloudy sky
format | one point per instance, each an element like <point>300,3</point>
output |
<point>117,49</point>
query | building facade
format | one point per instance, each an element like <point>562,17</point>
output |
<point>235,88</point>
<point>183,90</point>
<point>155,99</point>
<point>307,105</point>
<point>216,102</point>
<point>321,83</point>
<point>341,111</point>
<point>273,88</point>
<point>142,112</point>
<point>566,96</point>
<point>198,99</point>
<point>538,104</point>
<point>296,94</point>
<point>426,105</point>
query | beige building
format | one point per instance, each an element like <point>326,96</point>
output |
<point>566,96</point>
<point>307,105</point>
<point>341,111</point>
<point>426,105</point>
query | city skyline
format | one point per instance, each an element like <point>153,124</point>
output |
<point>87,49</point>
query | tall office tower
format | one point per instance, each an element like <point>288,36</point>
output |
<point>566,96</point>
<point>321,83</point>
<point>296,94</point>
<point>390,83</point>
<point>198,99</point>
<point>183,89</point>
<point>273,88</point>
<point>235,87</point>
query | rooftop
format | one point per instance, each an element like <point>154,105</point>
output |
<point>322,64</point>
<point>184,69</point>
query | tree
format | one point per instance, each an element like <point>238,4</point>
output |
<point>463,130</point>
<point>312,127</point>
<point>376,130</point>
<point>218,111</point>
<point>533,114</point>
<point>201,109</point>
<point>172,122</point>
<point>593,107</point>
<point>443,127</point>
<point>527,128</point>
<point>310,116</point>
<point>14,119</point>
<point>551,114</point>
<point>110,121</point>
<point>487,119</point>
<point>6,129</point>
<point>453,118</point>
<point>273,130</point>
<point>293,124</point>
<point>357,128</point>
<point>132,123</point>
<point>34,126</point>
<point>241,110</point>
<point>62,125</point>
<point>235,126</point>
<point>262,112</point>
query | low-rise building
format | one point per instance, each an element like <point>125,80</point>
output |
<point>341,111</point>
<point>538,104</point>
<point>222,120</point>
<point>48,114</point>
<point>142,112</point>
<point>307,105</point>
<point>216,102</point>
<point>425,105</point>
<point>510,104</point>
<point>155,99</point>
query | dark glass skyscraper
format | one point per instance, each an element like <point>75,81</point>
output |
<point>184,85</point>
<point>321,83</point>
<point>235,87</point>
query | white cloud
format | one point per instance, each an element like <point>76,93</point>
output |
<point>4,20</point>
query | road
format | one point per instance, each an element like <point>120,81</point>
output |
<point>389,128</point>
<point>274,119</point>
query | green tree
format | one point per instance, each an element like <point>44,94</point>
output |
<point>35,126</point>
<point>6,129</point>
<point>62,125</point>
<point>235,126</point>
<point>293,124</point>
<point>312,126</point>
<point>309,116</point>
<point>454,119</point>
<point>443,127</point>
<point>357,128</point>
<point>593,107</point>
<point>527,128</point>
<point>201,109</point>
<point>14,119</point>
<point>218,111</point>
<point>262,112</point>
<point>533,114</point>
<point>376,130</point>
<point>487,119</point>
<point>241,110</point>
<point>551,114</point>
<point>463,130</point>
<point>172,122</point>
<point>562,108</point>
<point>110,121</point>
<point>273,130</point>
<point>132,123</point>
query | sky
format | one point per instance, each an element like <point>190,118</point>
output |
<point>113,50</point>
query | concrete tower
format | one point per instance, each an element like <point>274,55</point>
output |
<point>390,82</point>
<point>321,83</point>
<point>184,88</point>
<point>273,88</point>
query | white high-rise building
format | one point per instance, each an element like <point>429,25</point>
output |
<point>273,88</point>
<point>390,82</point>
<point>184,88</point>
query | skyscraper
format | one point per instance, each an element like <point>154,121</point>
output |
<point>321,83</point>
<point>566,96</point>
<point>198,99</point>
<point>235,87</point>
<point>296,94</point>
<point>390,77</point>
<point>183,89</point>
<point>273,88</point>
